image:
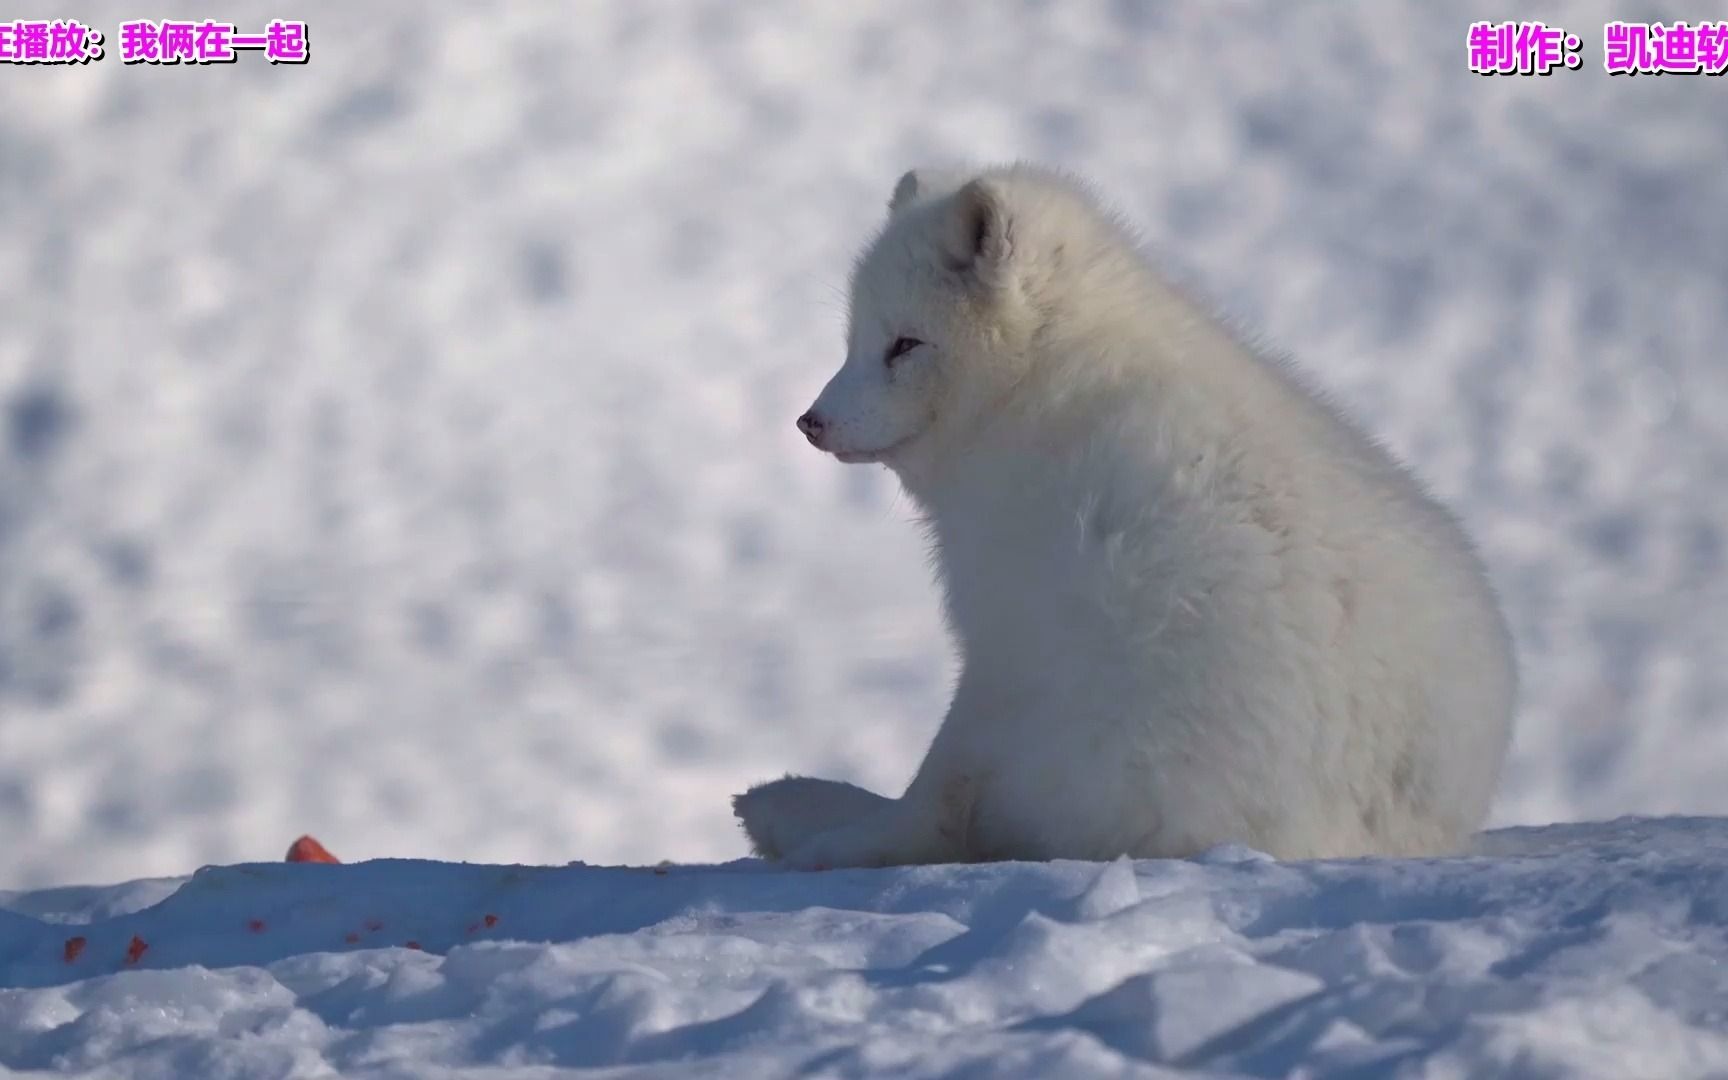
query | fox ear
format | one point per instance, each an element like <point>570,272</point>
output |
<point>904,192</point>
<point>978,237</point>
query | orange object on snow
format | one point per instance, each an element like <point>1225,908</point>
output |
<point>307,849</point>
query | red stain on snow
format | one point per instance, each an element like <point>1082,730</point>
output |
<point>491,921</point>
<point>135,949</point>
<point>74,946</point>
<point>255,925</point>
<point>307,849</point>
<point>351,938</point>
<point>415,945</point>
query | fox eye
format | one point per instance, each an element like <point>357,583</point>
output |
<point>901,347</point>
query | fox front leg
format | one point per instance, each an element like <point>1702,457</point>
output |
<point>783,815</point>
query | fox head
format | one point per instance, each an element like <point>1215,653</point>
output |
<point>942,316</point>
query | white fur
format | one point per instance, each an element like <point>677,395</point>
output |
<point>1194,605</point>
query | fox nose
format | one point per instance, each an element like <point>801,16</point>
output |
<point>811,425</point>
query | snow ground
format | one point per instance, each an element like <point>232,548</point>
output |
<point>399,448</point>
<point>1578,951</point>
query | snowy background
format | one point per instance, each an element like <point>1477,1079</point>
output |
<point>399,448</point>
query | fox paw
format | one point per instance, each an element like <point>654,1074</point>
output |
<point>781,816</point>
<point>848,847</point>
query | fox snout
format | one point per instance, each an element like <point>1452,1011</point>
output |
<point>812,426</point>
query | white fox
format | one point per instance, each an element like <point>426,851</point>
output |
<point>1194,605</point>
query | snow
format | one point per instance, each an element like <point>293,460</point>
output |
<point>398,448</point>
<point>1590,950</point>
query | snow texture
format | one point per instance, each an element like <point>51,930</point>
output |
<point>1576,951</point>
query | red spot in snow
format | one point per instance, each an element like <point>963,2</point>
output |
<point>415,945</point>
<point>491,921</point>
<point>307,849</point>
<point>135,949</point>
<point>255,925</point>
<point>351,938</point>
<point>74,946</point>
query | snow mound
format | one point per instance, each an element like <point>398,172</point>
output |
<point>1574,950</point>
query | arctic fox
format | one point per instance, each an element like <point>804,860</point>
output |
<point>1194,604</point>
